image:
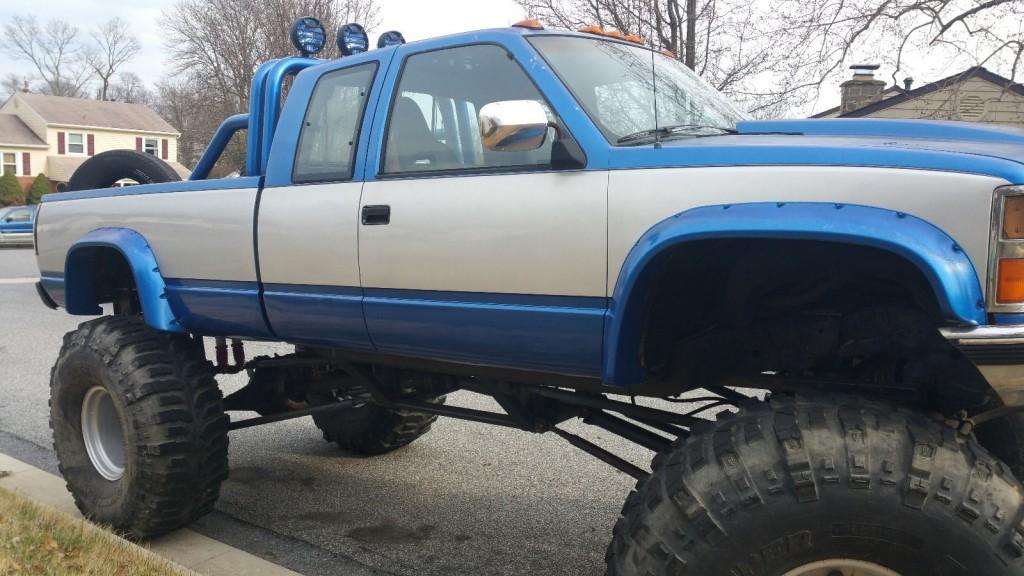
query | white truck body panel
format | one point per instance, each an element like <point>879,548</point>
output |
<point>205,234</point>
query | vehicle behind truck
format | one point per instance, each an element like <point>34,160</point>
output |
<point>575,225</point>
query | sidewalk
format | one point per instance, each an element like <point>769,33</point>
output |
<point>185,547</point>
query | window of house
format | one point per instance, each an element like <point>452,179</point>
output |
<point>330,131</point>
<point>76,143</point>
<point>433,123</point>
<point>151,146</point>
<point>10,163</point>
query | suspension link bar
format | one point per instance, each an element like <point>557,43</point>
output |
<point>628,430</point>
<point>670,429</point>
<point>601,454</point>
<point>281,416</point>
<point>460,413</point>
<point>628,410</point>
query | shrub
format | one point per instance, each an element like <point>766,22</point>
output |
<point>40,186</point>
<point>10,190</point>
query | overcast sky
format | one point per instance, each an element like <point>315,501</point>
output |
<point>416,19</point>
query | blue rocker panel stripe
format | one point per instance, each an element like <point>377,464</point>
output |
<point>947,268</point>
<point>318,315</point>
<point>561,334</point>
<point>218,307</point>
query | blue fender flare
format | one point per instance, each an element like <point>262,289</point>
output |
<point>79,291</point>
<point>944,264</point>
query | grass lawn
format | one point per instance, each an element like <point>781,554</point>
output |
<point>39,541</point>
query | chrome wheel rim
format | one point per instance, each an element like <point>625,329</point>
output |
<point>841,567</point>
<point>101,432</point>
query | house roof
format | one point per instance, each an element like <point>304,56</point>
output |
<point>63,111</point>
<point>904,95</point>
<point>14,132</point>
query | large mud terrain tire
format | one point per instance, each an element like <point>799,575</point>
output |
<point>106,168</point>
<point>822,487</point>
<point>138,426</point>
<point>371,430</point>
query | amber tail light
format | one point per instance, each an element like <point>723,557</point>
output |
<point>1013,217</point>
<point>1006,251</point>
<point>1011,281</point>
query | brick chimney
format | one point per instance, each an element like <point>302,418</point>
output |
<point>862,89</point>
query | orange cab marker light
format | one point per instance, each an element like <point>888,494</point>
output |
<point>669,53</point>
<point>531,24</point>
<point>592,30</point>
<point>615,34</point>
<point>1011,281</point>
<point>634,39</point>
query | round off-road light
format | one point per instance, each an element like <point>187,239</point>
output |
<point>352,39</point>
<point>308,35</point>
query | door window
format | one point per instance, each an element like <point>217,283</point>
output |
<point>433,121</point>
<point>330,131</point>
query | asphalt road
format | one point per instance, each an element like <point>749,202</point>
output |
<point>466,499</point>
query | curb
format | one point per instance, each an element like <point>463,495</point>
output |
<point>184,547</point>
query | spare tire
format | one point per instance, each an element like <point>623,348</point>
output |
<point>106,168</point>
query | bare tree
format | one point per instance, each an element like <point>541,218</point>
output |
<point>54,50</point>
<point>736,45</point>
<point>12,83</point>
<point>216,46</point>
<point>128,87</point>
<point>773,56</point>
<point>180,102</point>
<point>113,46</point>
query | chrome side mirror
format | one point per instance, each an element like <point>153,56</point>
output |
<point>513,125</point>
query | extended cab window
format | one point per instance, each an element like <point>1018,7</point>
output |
<point>433,122</point>
<point>327,143</point>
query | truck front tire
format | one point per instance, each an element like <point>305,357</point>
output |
<point>138,426</point>
<point>799,487</point>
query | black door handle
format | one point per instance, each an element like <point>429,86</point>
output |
<point>376,215</point>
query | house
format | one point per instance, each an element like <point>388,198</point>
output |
<point>974,95</point>
<point>53,135</point>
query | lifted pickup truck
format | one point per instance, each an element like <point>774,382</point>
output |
<point>560,220</point>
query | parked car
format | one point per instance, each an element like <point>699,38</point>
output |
<point>595,220</point>
<point>16,225</point>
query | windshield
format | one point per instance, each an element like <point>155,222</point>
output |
<point>613,81</point>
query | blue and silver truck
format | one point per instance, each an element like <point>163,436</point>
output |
<point>573,224</point>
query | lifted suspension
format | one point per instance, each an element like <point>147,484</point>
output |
<point>532,408</point>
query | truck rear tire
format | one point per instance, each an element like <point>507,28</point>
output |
<point>107,168</point>
<point>802,487</point>
<point>371,430</point>
<point>138,426</point>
